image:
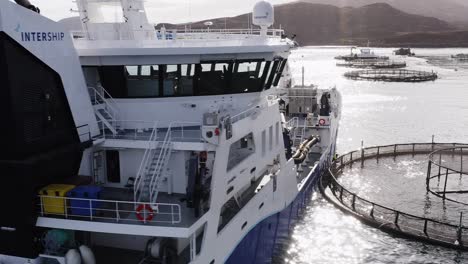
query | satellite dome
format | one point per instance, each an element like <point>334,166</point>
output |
<point>263,14</point>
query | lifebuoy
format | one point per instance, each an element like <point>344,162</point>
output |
<point>149,215</point>
<point>322,122</point>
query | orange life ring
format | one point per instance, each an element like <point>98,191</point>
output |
<point>322,122</point>
<point>144,207</point>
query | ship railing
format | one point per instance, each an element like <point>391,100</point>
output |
<point>247,113</point>
<point>100,95</point>
<point>182,131</point>
<point>109,211</point>
<point>176,34</point>
<point>144,165</point>
<point>226,33</point>
<point>293,123</point>
<point>129,129</point>
<point>143,130</point>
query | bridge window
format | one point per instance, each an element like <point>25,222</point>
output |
<point>206,78</point>
<point>142,81</point>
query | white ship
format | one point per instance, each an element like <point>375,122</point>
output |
<point>364,54</point>
<point>126,144</point>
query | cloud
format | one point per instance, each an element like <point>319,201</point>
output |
<point>170,11</point>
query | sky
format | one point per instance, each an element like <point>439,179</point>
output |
<point>168,11</point>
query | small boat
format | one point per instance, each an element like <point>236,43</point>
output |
<point>365,54</point>
<point>460,57</point>
<point>404,52</point>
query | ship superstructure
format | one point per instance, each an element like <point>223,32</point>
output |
<point>197,144</point>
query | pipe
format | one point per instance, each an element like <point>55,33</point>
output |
<point>28,5</point>
<point>304,148</point>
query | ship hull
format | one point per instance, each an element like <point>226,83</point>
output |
<point>268,239</point>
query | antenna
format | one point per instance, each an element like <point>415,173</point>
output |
<point>190,13</point>
<point>263,16</point>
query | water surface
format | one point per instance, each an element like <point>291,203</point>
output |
<point>381,114</point>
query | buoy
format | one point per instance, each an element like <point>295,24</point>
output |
<point>149,215</point>
<point>73,257</point>
<point>87,255</point>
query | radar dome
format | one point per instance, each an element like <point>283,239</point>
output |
<point>263,14</point>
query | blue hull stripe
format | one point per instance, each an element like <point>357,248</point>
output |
<point>269,236</point>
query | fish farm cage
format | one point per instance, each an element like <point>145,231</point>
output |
<point>388,219</point>
<point>389,75</point>
<point>357,58</point>
<point>373,64</point>
<point>447,174</point>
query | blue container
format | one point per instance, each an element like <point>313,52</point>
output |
<point>83,207</point>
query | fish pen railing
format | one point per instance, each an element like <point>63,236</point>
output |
<point>447,168</point>
<point>373,64</point>
<point>392,75</point>
<point>388,219</point>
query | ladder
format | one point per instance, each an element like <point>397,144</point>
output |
<point>299,134</point>
<point>153,164</point>
<point>159,165</point>
<point>105,108</point>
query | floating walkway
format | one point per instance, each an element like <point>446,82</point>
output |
<point>392,75</point>
<point>388,219</point>
<point>373,64</point>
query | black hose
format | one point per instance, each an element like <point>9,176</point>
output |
<point>304,149</point>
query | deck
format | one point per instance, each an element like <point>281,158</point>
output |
<point>115,205</point>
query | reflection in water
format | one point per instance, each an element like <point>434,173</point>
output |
<point>381,114</point>
<point>328,236</point>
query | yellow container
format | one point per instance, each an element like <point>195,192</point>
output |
<point>52,205</point>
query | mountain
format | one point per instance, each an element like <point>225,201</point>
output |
<point>319,24</point>
<point>454,11</point>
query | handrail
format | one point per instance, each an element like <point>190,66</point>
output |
<point>160,165</point>
<point>180,125</point>
<point>339,191</point>
<point>242,115</point>
<point>179,34</point>
<point>145,161</point>
<point>109,98</point>
<point>293,122</point>
<point>104,99</point>
<point>87,208</point>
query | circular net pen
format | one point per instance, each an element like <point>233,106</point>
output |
<point>391,220</point>
<point>447,174</point>
<point>373,64</point>
<point>392,75</point>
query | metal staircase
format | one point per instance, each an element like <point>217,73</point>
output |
<point>154,162</point>
<point>159,165</point>
<point>105,108</point>
<point>299,134</point>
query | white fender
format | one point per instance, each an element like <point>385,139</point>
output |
<point>87,255</point>
<point>72,257</point>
